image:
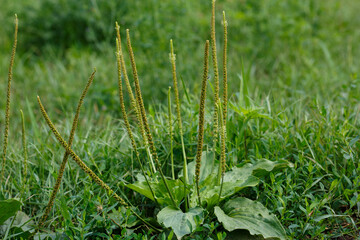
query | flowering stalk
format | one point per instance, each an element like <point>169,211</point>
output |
<point>225,83</point>
<point>66,154</point>
<point>201,120</point>
<point>126,121</point>
<point>8,95</point>
<point>85,168</point>
<point>178,109</point>
<point>144,118</point>
<point>223,113</point>
<point>216,76</point>
<point>133,101</point>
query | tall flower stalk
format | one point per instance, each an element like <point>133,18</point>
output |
<point>8,96</point>
<point>144,118</point>
<point>85,168</point>
<point>225,83</point>
<point>133,101</point>
<point>216,77</point>
<point>201,120</point>
<point>223,113</point>
<point>123,110</point>
<point>66,154</point>
<point>178,113</point>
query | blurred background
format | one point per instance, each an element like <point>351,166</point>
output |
<point>293,49</point>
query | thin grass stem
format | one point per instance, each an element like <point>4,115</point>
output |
<point>25,154</point>
<point>171,134</point>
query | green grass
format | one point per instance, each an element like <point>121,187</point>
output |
<point>301,63</point>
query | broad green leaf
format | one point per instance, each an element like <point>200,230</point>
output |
<point>208,167</point>
<point>21,227</point>
<point>8,208</point>
<point>211,196</point>
<point>263,166</point>
<point>160,191</point>
<point>234,180</point>
<point>243,213</point>
<point>181,223</point>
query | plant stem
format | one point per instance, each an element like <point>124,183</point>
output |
<point>171,135</point>
<point>24,152</point>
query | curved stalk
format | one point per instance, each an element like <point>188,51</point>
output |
<point>85,168</point>
<point>66,154</point>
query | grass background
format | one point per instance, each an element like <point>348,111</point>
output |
<point>301,61</point>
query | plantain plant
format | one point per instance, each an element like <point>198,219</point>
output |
<point>208,184</point>
<point>203,188</point>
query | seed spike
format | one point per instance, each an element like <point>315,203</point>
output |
<point>76,158</point>
<point>216,75</point>
<point>143,116</point>
<point>201,120</point>
<point>133,101</point>
<point>85,168</point>
<point>126,121</point>
<point>8,96</point>
<point>178,110</point>
<point>66,154</point>
<point>225,83</point>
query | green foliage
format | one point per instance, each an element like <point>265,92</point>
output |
<point>66,23</point>
<point>301,71</point>
<point>181,223</point>
<point>161,195</point>
<point>20,227</point>
<point>8,208</point>
<point>243,213</point>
